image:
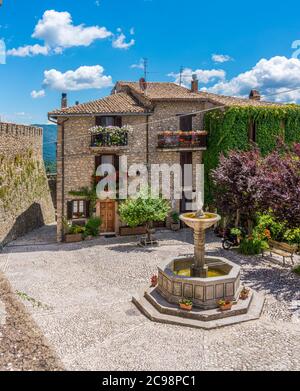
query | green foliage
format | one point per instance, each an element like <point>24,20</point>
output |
<point>229,129</point>
<point>144,209</point>
<point>92,227</point>
<point>268,222</point>
<point>175,218</point>
<point>76,229</point>
<point>292,236</point>
<point>236,231</point>
<point>252,245</point>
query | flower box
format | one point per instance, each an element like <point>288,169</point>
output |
<point>73,238</point>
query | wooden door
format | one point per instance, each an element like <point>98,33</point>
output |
<point>107,215</point>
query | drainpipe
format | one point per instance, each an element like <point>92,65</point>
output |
<point>62,124</point>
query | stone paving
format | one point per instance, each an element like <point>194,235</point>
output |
<point>83,294</point>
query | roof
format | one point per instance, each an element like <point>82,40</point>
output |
<point>234,101</point>
<point>161,91</point>
<point>166,91</point>
<point>116,103</point>
<point>128,98</point>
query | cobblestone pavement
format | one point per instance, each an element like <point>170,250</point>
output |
<point>79,295</point>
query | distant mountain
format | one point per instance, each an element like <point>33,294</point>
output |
<point>49,147</point>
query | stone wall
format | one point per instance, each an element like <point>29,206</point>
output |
<point>25,200</point>
<point>79,159</point>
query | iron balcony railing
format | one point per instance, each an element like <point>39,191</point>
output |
<point>108,139</point>
<point>180,139</point>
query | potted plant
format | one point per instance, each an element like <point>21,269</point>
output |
<point>244,293</point>
<point>154,280</point>
<point>175,221</point>
<point>225,305</point>
<point>186,304</point>
<point>74,234</point>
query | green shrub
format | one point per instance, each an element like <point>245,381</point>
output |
<point>252,246</point>
<point>175,218</point>
<point>92,227</point>
<point>268,222</point>
<point>76,229</point>
<point>292,236</point>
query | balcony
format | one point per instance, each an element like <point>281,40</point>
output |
<point>109,138</point>
<point>182,141</point>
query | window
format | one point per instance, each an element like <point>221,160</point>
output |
<point>186,123</point>
<point>108,121</point>
<point>78,209</point>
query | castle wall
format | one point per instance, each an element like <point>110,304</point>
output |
<point>25,200</point>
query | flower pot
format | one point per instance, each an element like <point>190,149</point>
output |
<point>244,296</point>
<point>73,238</point>
<point>226,307</point>
<point>185,307</point>
<point>175,226</point>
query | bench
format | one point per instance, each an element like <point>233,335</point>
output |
<point>283,249</point>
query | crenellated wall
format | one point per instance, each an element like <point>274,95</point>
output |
<point>25,200</point>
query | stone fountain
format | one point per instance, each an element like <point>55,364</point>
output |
<point>203,279</point>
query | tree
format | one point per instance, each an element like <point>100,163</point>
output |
<point>235,181</point>
<point>279,185</point>
<point>144,210</point>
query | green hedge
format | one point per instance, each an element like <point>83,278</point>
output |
<point>229,129</point>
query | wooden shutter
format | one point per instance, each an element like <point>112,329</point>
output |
<point>69,210</point>
<point>87,205</point>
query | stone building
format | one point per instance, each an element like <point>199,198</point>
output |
<point>25,200</point>
<point>166,126</point>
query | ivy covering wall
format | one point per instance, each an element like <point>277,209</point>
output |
<point>229,129</point>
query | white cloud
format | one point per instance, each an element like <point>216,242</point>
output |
<point>204,76</point>
<point>221,58</point>
<point>140,65</point>
<point>97,3</point>
<point>56,29</point>
<point>28,51</point>
<point>58,32</point>
<point>270,77</point>
<point>85,77</point>
<point>37,94</point>
<point>119,42</point>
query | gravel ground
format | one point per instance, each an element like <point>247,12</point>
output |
<point>22,345</point>
<point>79,295</point>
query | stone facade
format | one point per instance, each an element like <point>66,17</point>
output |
<point>76,166</point>
<point>25,200</point>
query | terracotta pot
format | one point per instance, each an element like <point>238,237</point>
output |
<point>185,307</point>
<point>226,307</point>
<point>175,226</point>
<point>73,238</point>
<point>244,296</point>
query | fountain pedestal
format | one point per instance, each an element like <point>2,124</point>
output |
<point>199,268</point>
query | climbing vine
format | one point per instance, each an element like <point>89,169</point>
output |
<point>229,129</point>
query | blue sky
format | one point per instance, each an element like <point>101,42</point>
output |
<point>83,47</point>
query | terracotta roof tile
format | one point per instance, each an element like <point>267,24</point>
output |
<point>117,103</point>
<point>171,91</point>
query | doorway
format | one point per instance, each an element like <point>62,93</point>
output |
<point>108,216</point>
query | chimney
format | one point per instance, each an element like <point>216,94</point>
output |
<point>64,100</point>
<point>254,95</point>
<point>195,84</point>
<point>77,103</point>
<point>143,84</point>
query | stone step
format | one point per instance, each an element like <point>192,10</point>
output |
<point>164,307</point>
<point>154,315</point>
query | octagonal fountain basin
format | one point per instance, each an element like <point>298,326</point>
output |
<point>197,223</point>
<point>175,282</point>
